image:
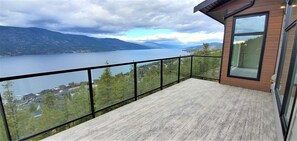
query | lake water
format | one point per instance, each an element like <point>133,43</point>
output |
<point>20,65</point>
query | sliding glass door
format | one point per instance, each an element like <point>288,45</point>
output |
<point>290,115</point>
<point>286,85</point>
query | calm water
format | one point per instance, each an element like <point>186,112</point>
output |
<point>19,65</point>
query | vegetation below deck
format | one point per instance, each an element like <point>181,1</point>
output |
<point>33,113</point>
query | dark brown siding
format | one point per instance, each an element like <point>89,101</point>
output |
<point>271,46</point>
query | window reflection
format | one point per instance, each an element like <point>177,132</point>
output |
<point>246,55</point>
<point>250,24</point>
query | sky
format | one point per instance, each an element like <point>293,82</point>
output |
<point>159,21</point>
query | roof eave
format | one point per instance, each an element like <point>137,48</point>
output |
<point>202,5</point>
<point>211,17</point>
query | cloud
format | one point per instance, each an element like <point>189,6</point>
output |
<point>111,18</point>
<point>106,15</point>
<point>184,38</point>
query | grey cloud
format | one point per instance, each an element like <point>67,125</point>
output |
<point>87,30</point>
<point>106,16</point>
<point>46,23</point>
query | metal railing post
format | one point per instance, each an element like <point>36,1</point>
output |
<point>205,62</point>
<point>191,68</point>
<point>91,93</point>
<point>8,135</point>
<point>178,71</point>
<point>220,70</point>
<point>212,66</point>
<point>161,75</point>
<point>135,81</point>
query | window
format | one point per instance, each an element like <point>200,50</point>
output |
<point>247,46</point>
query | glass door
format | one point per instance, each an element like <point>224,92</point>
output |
<point>286,84</point>
<point>290,92</point>
<point>290,114</point>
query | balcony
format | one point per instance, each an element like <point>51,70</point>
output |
<point>191,110</point>
<point>162,97</point>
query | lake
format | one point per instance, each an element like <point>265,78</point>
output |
<point>20,65</point>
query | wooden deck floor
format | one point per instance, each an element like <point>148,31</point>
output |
<point>191,110</point>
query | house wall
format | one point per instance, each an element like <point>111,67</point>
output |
<point>271,45</point>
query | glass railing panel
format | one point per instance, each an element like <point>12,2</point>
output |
<point>112,85</point>
<point>170,71</point>
<point>206,67</point>
<point>148,76</point>
<point>185,67</point>
<point>214,68</point>
<point>197,66</point>
<point>39,103</point>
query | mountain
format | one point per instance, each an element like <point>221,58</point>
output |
<point>212,46</point>
<point>26,41</point>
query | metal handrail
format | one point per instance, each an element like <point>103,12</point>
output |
<point>82,69</point>
<point>88,69</point>
<point>95,67</point>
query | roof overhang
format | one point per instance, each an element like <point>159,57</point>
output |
<point>207,6</point>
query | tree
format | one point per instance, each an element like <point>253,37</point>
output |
<point>206,50</point>
<point>149,78</point>
<point>170,72</point>
<point>104,89</point>
<point>32,108</point>
<point>206,66</point>
<point>79,105</point>
<point>185,65</point>
<point>49,100</point>
<point>2,130</point>
<point>10,109</point>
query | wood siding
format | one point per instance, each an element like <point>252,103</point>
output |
<point>271,45</point>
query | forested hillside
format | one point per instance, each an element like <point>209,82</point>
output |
<point>27,41</point>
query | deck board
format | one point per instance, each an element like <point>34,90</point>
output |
<point>191,110</point>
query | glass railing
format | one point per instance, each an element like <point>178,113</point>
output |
<point>112,85</point>
<point>35,106</point>
<point>185,67</point>
<point>170,71</point>
<point>148,77</point>
<point>206,67</point>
